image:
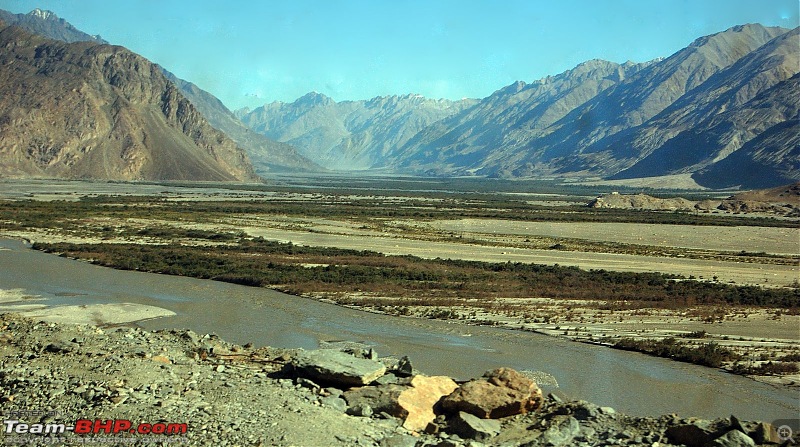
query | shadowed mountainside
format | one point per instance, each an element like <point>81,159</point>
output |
<point>731,94</point>
<point>266,155</point>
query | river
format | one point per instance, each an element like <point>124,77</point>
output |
<point>630,382</point>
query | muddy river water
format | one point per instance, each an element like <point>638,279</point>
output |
<point>630,382</point>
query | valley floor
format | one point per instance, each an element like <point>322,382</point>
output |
<point>746,254</point>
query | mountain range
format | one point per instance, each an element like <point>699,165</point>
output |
<point>724,111</point>
<point>350,135</point>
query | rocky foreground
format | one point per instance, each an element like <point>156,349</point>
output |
<point>215,393</point>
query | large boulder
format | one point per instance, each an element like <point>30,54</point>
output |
<point>419,400</point>
<point>336,367</point>
<point>500,393</point>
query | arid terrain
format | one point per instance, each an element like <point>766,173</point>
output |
<point>720,249</point>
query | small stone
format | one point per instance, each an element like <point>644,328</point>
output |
<point>765,433</point>
<point>362,410</point>
<point>220,368</point>
<point>561,432</point>
<point>419,400</point>
<point>607,410</point>
<point>502,392</point>
<point>403,368</point>
<point>736,424</point>
<point>398,440</point>
<point>306,383</point>
<point>382,399</point>
<point>60,347</point>
<point>387,379</point>
<point>57,392</point>
<point>334,391</point>
<point>337,403</point>
<point>161,359</point>
<point>585,410</point>
<point>690,435</point>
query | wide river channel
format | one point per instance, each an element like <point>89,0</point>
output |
<point>630,382</point>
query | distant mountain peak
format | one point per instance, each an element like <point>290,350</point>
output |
<point>43,14</point>
<point>46,23</point>
<point>314,98</point>
<point>515,87</point>
<point>749,30</point>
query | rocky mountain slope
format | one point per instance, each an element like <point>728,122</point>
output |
<point>349,135</point>
<point>266,155</point>
<point>491,137</point>
<point>723,110</point>
<point>87,110</point>
<point>724,93</point>
<point>738,104</point>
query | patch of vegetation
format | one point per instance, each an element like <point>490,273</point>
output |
<point>696,334</point>
<point>767,369</point>
<point>336,204</point>
<point>793,357</point>
<point>707,354</point>
<point>285,266</point>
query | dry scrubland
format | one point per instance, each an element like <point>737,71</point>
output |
<point>747,334</point>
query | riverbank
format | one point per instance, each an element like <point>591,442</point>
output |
<point>630,382</point>
<point>761,343</point>
<point>721,325</point>
<point>200,390</point>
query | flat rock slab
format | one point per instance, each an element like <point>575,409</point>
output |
<point>472,427</point>
<point>336,367</point>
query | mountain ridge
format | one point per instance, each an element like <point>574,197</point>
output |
<point>349,134</point>
<point>90,110</point>
<point>723,110</point>
<point>266,155</point>
<point>47,23</point>
<point>726,96</point>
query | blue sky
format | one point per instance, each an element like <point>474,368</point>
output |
<point>249,53</point>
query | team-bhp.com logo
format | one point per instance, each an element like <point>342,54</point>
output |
<point>95,426</point>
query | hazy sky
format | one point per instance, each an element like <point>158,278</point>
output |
<point>248,53</point>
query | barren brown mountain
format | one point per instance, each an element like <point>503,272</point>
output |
<point>88,110</point>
